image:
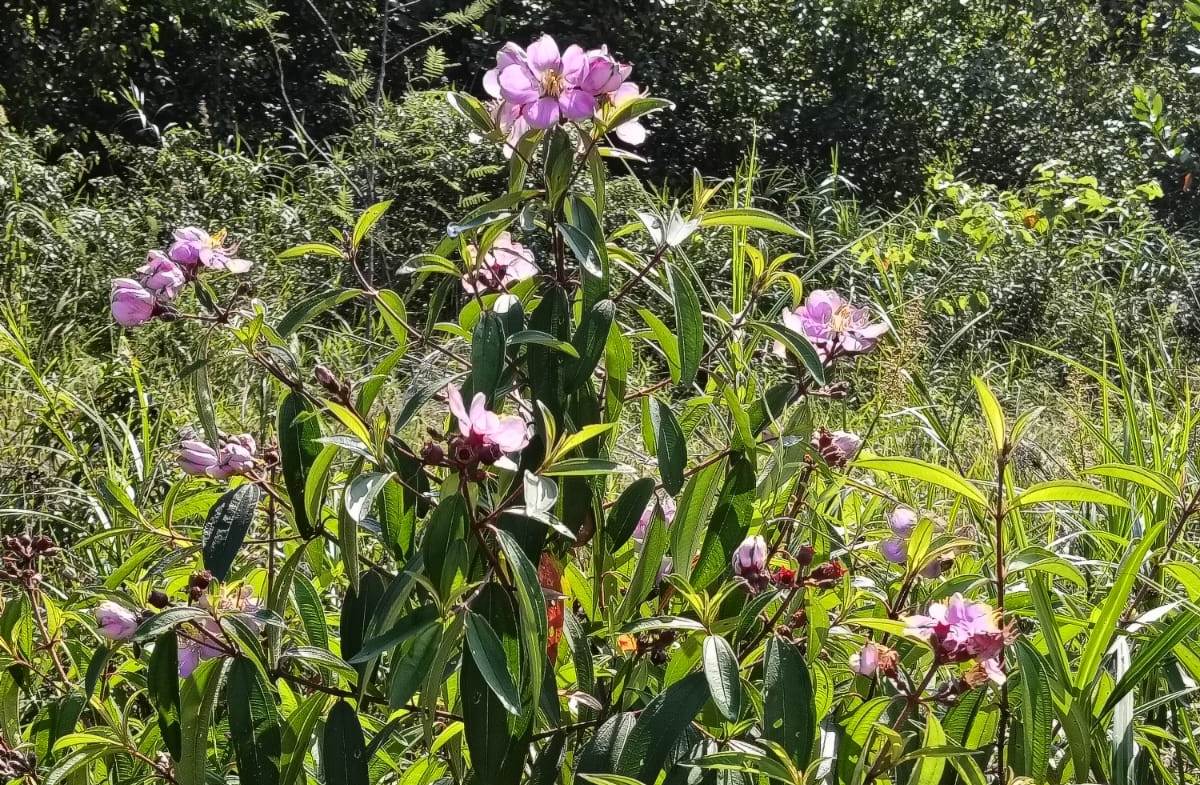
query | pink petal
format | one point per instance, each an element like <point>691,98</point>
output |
<point>491,83</point>
<point>543,55</point>
<point>510,434</point>
<point>542,113</point>
<point>455,401</point>
<point>577,104</point>
<point>519,85</point>
<point>574,64</point>
<point>631,133</point>
<point>479,412</point>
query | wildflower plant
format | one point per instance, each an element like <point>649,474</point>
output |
<point>592,519</point>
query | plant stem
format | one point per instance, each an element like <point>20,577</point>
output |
<point>999,513</point>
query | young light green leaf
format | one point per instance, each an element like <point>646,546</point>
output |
<point>924,472</point>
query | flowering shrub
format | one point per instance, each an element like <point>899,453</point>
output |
<point>551,536</point>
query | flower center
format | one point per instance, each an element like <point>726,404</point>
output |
<point>553,83</point>
<point>841,320</point>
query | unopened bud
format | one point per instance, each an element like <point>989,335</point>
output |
<point>158,599</point>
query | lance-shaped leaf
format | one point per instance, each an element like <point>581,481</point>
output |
<point>649,743</point>
<point>627,511</point>
<point>729,524</point>
<point>924,472</point>
<point>343,749</point>
<point>488,656</point>
<point>789,711</point>
<point>724,681</point>
<point>689,323</point>
<point>589,342</point>
<point>226,526</point>
<point>670,445</point>
<point>299,430</point>
<point>254,726</point>
<point>162,686</point>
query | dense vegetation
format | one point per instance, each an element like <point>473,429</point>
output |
<point>795,392</point>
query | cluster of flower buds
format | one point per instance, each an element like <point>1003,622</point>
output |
<point>135,301</point>
<point>198,584</point>
<point>483,437</point>
<point>836,448</point>
<point>236,455</point>
<point>15,764</point>
<point>22,554</point>
<point>835,327</point>
<point>541,86</point>
<point>962,631</point>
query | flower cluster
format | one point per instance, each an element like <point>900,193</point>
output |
<point>541,86</point>
<point>236,455</point>
<point>484,437</point>
<point>874,658</point>
<point>21,560</point>
<point>836,448</point>
<point>135,301</point>
<point>835,327</point>
<point>505,263</point>
<point>960,631</point>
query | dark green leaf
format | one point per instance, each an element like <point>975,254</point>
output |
<point>659,725</point>
<point>343,749</point>
<point>689,323</point>
<point>488,656</point>
<point>412,663</point>
<point>414,623</point>
<point>254,727</point>
<point>721,672</point>
<point>226,527</point>
<point>590,340</point>
<point>670,445</point>
<point>162,687</point>
<point>729,524</point>
<point>625,513</point>
<point>487,355</point>
<point>299,430</point>
<point>788,707</point>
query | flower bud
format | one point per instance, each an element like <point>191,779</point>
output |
<point>827,575</point>
<point>201,580</point>
<point>131,303</point>
<point>158,599</point>
<point>197,458</point>
<point>804,555</point>
<point>894,550</point>
<point>117,622</point>
<point>750,558</point>
<point>433,454</point>
<point>903,520</point>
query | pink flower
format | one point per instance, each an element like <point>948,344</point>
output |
<point>643,525</point>
<point>117,623</point>
<point>162,276</point>
<point>872,659</point>
<point>960,631</point>
<point>236,456</point>
<point>194,246</point>
<point>132,304</point>
<point>836,448</point>
<point>903,520</point>
<point>750,558</point>
<point>833,326</point>
<point>894,550</point>
<point>204,640</point>
<point>197,458</point>
<point>544,83</point>
<point>505,263</point>
<point>485,436</point>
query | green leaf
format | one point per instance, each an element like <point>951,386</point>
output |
<point>689,323</point>
<point>729,524</point>
<point>993,415</point>
<point>197,697</point>
<point>367,221</point>
<point>254,727</point>
<point>412,663</point>
<point>1036,715</point>
<point>625,513</point>
<point>162,687</point>
<point>358,608</point>
<point>343,749</point>
<point>361,492</point>
<point>660,725</point>
<point>309,308</point>
<point>589,342</point>
<point>789,709</point>
<point>750,218</point>
<point>531,605</point>
<point>1066,491</point>
<point>584,249</point>
<point>1108,615</point>
<point>721,671</point>
<point>297,737</point>
<point>446,525</point>
<point>472,109</point>
<point>928,770</point>
<point>487,355</point>
<point>1151,480</point>
<point>159,623</point>
<point>488,656</point>
<point>539,338</point>
<point>226,526</point>
<point>299,430</point>
<point>1151,657</point>
<point>649,561</point>
<point>924,472</point>
<point>317,249</point>
<point>203,393</point>
<point>413,624</point>
<point>317,483</point>
<point>671,446</point>
<point>796,345</point>
<point>495,738</point>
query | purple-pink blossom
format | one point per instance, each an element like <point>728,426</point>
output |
<point>903,520</point>
<point>195,247</point>
<point>162,276</point>
<point>834,326</point>
<point>132,303</point>
<point>505,263</point>
<point>894,549</point>
<point>485,435</point>
<point>117,622</point>
<point>873,659</point>
<point>204,640</point>
<point>960,630</point>
<point>836,448</point>
<point>667,505</point>
<point>750,558</point>
<point>235,456</point>
<point>544,82</point>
